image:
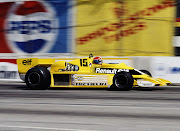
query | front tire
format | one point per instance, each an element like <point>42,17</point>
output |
<point>146,72</point>
<point>38,78</point>
<point>123,81</point>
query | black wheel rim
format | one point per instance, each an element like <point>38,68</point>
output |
<point>34,78</point>
<point>121,81</point>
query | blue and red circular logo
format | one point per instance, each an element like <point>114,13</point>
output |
<point>32,27</point>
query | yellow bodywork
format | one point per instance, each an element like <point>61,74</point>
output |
<point>82,72</point>
<point>24,64</point>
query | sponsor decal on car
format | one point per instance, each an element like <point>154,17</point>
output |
<point>79,78</point>
<point>89,80</point>
<point>27,62</point>
<point>109,70</point>
<point>144,83</point>
<point>90,84</point>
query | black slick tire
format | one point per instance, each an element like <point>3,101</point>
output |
<point>38,78</point>
<point>123,81</point>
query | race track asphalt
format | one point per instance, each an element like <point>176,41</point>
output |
<point>147,109</point>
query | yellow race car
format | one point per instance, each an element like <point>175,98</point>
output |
<point>88,72</point>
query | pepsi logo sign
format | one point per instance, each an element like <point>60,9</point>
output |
<point>32,27</point>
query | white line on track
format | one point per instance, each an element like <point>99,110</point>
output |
<point>44,128</point>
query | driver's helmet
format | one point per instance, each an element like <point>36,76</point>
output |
<point>97,60</point>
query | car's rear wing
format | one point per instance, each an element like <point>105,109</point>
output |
<point>24,64</point>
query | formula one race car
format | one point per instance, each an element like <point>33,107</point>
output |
<point>84,72</point>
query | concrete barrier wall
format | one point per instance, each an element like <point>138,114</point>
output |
<point>160,67</point>
<point>8,70</point>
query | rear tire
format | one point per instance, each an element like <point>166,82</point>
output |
<point>123,81</point>
<point>38,78</point>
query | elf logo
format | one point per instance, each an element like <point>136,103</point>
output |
<point>27,62</point>
<point>32,27</point>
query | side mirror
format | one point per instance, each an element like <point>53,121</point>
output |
<point>90,55</point>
